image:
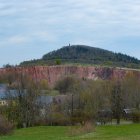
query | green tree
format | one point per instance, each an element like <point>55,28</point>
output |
<point>22,108</point>
<point>58,61</point>
<point>117,101</point>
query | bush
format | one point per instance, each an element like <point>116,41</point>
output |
<point>41,122</point>
<point>136,117</point>
<point>66,84</point>
<point>58,62</point>
<point>88,127</point>
<point>5,126</point>
<point>58,119</point>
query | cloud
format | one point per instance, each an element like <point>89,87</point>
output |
<point>17,40</point>
<point>44,36</point>
<point>101,23</point>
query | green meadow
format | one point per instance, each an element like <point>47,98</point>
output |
<point>122,132</point>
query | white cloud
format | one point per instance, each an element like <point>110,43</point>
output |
<point>59,15</point>
<point>17,40</point>
<point>45,36</point>
<point>53,22</point>
<point>13,40</point>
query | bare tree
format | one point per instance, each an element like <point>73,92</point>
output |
<point>117,101</point>
<point>22,97</point>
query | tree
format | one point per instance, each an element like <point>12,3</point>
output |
<point>116,101</point>
<point>8,66</point>
<point>131,90</point>
<point>23,108</point>
<point>86,97</point>
<point>5,126</point>
<point>58,61</point>
<point>67,84</point>
<point>43,84</point>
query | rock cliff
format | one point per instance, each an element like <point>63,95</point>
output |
<point>53,73</point>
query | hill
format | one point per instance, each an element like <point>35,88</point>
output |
<point>81,54</point>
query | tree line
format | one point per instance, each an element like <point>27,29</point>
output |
<point>81,54</point>
<point>79,100</point>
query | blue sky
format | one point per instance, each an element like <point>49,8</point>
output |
<point>31,28</point>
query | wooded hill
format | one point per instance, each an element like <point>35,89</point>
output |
<point>81,54</point>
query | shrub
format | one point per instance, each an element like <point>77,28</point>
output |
<point>41,122</point>
<point>136,117</point>
<point>58,61</point>
<point>58,119</point>
<point>86,128</point>
<point>5,126</point>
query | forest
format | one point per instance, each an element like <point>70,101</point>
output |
<point>84,55</point>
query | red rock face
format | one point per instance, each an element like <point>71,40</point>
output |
<point>54,73</point>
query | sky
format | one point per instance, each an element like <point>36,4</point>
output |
<point>31,28</point>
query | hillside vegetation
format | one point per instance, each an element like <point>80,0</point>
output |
<point>81,54</point>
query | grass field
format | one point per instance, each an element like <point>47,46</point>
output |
<point>123,132</point>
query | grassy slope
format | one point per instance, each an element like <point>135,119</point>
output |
<point>123,132</point>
